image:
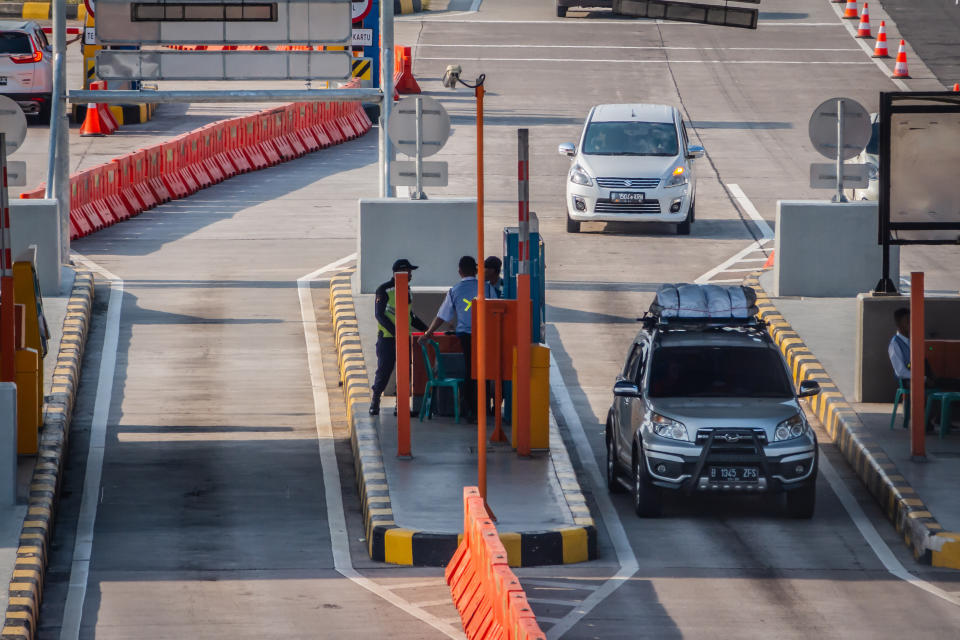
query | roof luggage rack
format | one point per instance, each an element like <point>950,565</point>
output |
<point>696,306</point>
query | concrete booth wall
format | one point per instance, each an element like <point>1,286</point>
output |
<point>36,223</point>
<point>873,374</point>
<point>829,250</point>
<point>432,234</point>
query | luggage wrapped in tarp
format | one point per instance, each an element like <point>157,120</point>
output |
<point>701,301</point>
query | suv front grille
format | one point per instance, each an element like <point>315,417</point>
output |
<point>635,183</point>
<point>732,440</point>
<point>645,206</point>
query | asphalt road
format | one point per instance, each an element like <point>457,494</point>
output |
<point>213,518</point>
<point>933,28</point>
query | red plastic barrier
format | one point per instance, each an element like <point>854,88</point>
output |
<point>251,142</point>
<point>234,140</point>
<point>141,181</point>
<point>79,196</point>
<point>125,173</point>
<point>171,175</point>
<point>111,178</point>
<point>154,168</point>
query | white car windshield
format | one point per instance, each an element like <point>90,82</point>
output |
<point>631,139</point>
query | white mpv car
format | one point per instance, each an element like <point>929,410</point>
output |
<point>633,165</point>
<point>26,67</point>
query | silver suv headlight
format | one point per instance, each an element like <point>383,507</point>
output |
<point>668,428</point>
<point>677,177</point>
<point>790,428</point>
<point>579,176</point>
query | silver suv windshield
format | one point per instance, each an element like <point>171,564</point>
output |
<point>718,372</point>
<point>630,139</point>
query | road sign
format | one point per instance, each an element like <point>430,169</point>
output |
<point>856,128</point>
<point>403,173</point>
<point>89,5</point>
<point>434,130</point>
<point>359,9</point>
<point>223,65</point>
<point>90,35</point>
<point>823,175</point>
<point>220,22</point>
<point>13,123</point>
<point>362,38</point>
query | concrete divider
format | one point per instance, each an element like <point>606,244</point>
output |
<point>126,186</point>
<point>489,597</point>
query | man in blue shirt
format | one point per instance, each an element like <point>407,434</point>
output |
<point>455,310</point>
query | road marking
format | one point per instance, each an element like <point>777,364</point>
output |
<point>705,278</point>
<point>554,584</point>
<point>870,534</point>
<point>744,203</point>
<point>750,210</point>
<point>609,46</point>
<point>336,517</point>
<point>866,48</point>
<point>83,542</point>
<point>562,603</point>
<point>635,61</point>
<point>608,513</point>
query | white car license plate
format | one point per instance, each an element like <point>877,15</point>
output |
<point>626,196</point>
<point>734,474</point>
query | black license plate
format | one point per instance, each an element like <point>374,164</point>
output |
<point>734,474</point>
<point>626,196</point>
<point>3,81</point>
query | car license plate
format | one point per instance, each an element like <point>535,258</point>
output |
<point>3,81</point>
<point>626,196</point>
<point>734,474</point>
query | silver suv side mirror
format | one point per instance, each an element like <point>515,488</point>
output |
<point>695,151</point>
<point>808,388</point>
<point>625,389</point>
<point>567,149</point>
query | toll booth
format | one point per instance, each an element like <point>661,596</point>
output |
<point>538,284</point>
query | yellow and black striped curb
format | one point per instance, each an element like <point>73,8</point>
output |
<point>905,509</point>
<point>26,585</point>
<point>410,6</point>
<point>387,542</point>
<point>39,10</point>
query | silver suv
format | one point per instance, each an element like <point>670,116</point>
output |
<point>26,69</point>
<point>707,405</point>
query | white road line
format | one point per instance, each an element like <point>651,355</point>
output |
<point>336,517</point>
<point>744,203</point>
<point>562,603</point>
<point>83,542</point>
<point>705,278</point>
<point>610,46</point>
<point>608,513</point>
<point>555,584</point>
<point>750,210</point>
<point>635,61</point>
<point>866,48</point>
<point>870,534</point>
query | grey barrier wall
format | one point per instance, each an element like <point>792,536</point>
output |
<point>432,234</point>
<point>828,250</point>
<point>36,223</point>
<point>873,375</point>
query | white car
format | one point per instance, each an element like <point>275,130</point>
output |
<point>26,67</point>
<point>870,157</point>
<point>633,165</point>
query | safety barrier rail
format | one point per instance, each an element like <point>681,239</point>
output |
<point>128,185</point>
<point>491,602</point>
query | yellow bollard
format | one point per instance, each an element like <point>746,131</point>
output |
<point>28,404</point>
<point>539,398</point>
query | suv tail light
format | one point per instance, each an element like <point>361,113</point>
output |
<point>24,58</point>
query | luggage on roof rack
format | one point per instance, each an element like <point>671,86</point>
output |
<point>704,301</point>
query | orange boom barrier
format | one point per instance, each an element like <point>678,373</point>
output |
<point>487,594</point>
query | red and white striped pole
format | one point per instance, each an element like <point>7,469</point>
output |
<point>524,310</point>
<point>7,336</point>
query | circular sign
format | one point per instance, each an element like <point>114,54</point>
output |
<point>359,9</point>
<point>434,125</point>
<point>856,128</point>
<point>89,5</point>
<point>13,123</point>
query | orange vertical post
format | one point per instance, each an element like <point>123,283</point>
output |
<point>480,343</point>
<point>918,396</point>
<point>402,338</point>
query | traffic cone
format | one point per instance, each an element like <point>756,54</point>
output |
<point>900,68</point>
<point>92,124</point>
<point>769,262</point>
<point>880,50</point>
<point>850,11</point>
<point>863,31</point>
<point>956,86</point>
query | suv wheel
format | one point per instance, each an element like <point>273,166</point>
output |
<point>613,481</point>
<point>683,228</point>
<point>45,109</point>
<point>801,502</point>
<point>561,11</point>
<point>573,226</point>
<point>646,497</point>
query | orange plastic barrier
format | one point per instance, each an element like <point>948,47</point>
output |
<point>487,594</point>
<point>125,186</point>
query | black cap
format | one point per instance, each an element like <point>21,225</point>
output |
<point>403,265</point>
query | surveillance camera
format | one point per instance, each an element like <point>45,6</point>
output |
<point>451,76</point>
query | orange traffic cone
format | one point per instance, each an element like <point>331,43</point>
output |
<point>769,262</point>
<point>900,68</point>
<point>880,50</point>
<point>863,31</point>
<point>850,11</point>
<point>92,124</point>
<point>956,86</point>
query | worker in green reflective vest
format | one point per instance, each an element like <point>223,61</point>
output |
<point>385,311</point>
